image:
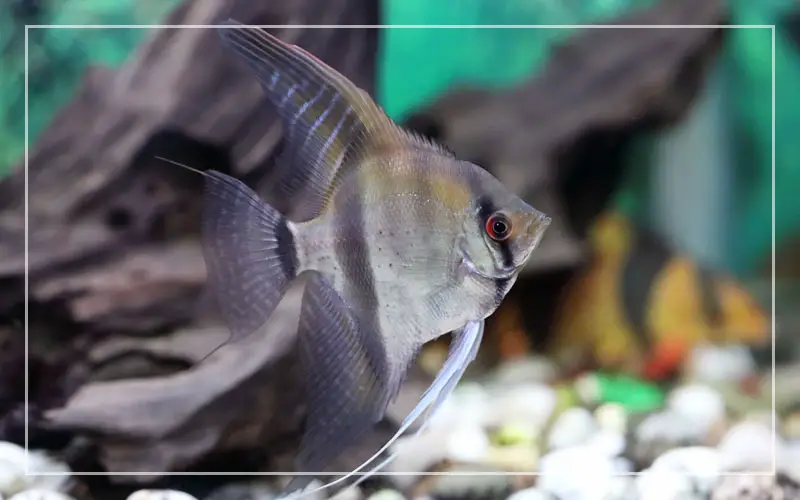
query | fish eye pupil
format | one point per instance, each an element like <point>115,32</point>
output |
<point>498,226</point>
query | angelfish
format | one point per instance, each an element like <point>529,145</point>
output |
<point>399,241</point>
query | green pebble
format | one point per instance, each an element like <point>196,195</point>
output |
<point>633,394</point>
<point>514,434</point>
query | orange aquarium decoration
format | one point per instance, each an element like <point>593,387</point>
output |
<point>639,306</point>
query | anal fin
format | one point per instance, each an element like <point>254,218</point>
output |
<point>463,350</point>
<point>347,378</point>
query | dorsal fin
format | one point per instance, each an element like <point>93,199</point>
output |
<point>329,124</point>
<point>427,144</point>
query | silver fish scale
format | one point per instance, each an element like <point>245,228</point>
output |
<point>409,267</point>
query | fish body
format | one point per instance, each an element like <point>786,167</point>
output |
<point>401,243</point>
<point>393,247</point>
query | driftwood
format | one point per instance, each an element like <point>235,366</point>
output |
<point>116,271</point>
<point>244,394</point>
<point>558,139</point>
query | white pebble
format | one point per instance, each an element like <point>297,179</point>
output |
<point>387,494</point>
<point>519,458</point>
<point>610,443</point>
<point>664,485</point>
<point>315,484</point>
<point>701,464</point>
<point>742,487</point>
<point>414,454</point>
<point>789,460</point>
<point>160,495</point>
<point>588,388</point>
<point>701,404</point>
<point>700,459</point>
<point>468,402</point>
<point>622,465</point>
<point>621,487</point>
<point>350,493</point>
<point>58,474</point>
<point>747,447</point>
<point>574,426</point>
<point>10,481</point>
<point>529,494</point>
<point>467,443</point>
<point>711,363</point>
<point>446,415</point>
<point>530,405</point>
<point>39,494</point>
<point>666,426</point>
<point>576,472</point>
<point>12,470</point>
<point>612,417</point>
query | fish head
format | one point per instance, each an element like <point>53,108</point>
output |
<point>501,230</point>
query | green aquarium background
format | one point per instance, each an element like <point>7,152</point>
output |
<point>417,65</point>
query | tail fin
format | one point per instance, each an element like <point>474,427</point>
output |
<point>249,252</point>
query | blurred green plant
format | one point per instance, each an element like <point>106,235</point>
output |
<point>58,57</point>
<point>751,81</point>
<point>418,64</point>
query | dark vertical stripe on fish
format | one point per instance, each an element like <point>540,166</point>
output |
<point>646,259</point>
<point>505,250</point>
<point>287,253</point>
<point>485,209</point>
<point>352,254</point>
<point>501,286</point>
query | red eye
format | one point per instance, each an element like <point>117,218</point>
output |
<point>498,227</point>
